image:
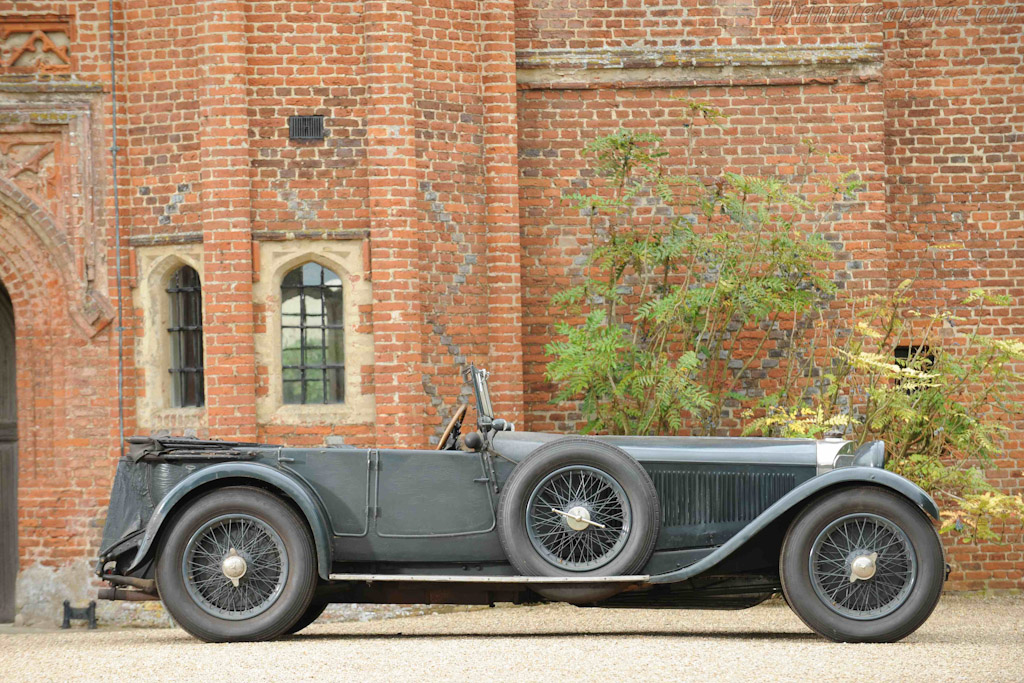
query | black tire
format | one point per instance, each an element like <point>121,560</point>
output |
<point>903,559</point>
<point>311,614</point>
<point>280,567</point>
<point>624,478</point>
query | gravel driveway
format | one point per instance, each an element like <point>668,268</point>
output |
<point>968,638</point>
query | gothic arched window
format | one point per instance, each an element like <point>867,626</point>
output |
<point>186,330</point>
<point>312,353</point>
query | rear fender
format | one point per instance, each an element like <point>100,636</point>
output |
<point>242,473</point>
<point>871,476</point>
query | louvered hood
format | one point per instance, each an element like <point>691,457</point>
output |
<point>678,449</point>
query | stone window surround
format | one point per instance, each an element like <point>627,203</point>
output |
<point>154,406</point>
<point>156,264</point>
<point>344,257</point>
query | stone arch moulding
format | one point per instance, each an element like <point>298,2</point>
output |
<point>90,310</point>
<point>331,262</point>
<point>48,183</point>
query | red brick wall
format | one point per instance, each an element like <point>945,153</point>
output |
<point>301,61</point>
<point>454,181</point>
<point>929,110</point>
<point>448,137</point>
<point>159,81</point>
<point>954,112</point>
<point>419,102</point>
<point>638,24</point>
<point>54,262</point>
<point>67,420</point>
<point>762,135</point>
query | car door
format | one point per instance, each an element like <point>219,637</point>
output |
<point>424,494</point>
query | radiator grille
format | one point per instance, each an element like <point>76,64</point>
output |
<point>710,497</point>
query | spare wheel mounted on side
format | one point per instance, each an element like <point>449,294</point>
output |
<point>578,507</point>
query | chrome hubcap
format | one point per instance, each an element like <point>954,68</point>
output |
<point>863,567</point>
<point>233,567</point>
<point>578,519</point>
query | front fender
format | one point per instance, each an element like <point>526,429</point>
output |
<point>846,475</point>
<point>297,492</point>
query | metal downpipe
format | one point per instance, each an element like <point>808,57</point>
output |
<point>117,233</point>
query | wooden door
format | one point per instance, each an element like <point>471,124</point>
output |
<point>8,462</point>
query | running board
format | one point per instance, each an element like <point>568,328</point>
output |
<point>459,578</point>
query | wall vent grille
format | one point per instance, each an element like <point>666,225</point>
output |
<point>306,127</point>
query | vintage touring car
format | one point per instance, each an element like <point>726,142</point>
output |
<point>245,541</point>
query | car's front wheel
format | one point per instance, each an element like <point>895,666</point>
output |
<point>237,564</point>
<point>862,565</point>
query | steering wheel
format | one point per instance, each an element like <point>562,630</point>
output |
<point>454,427</point>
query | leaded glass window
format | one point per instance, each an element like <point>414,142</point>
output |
<point>186,331</point>
<point>312,351</point>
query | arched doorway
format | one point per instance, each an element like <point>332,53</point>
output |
<point>8,461</point>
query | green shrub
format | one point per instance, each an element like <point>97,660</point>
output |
<point>941,406</point>
<point>679,268</point>
<point>692,280</point>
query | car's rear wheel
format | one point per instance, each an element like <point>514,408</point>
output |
<point>237,564</point>
<point>862,565</point>
<point>578,507</point>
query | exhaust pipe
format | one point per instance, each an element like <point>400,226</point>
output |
<point>125,594</point>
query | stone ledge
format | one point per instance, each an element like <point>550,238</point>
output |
<point>653,58</point>
<point>682,67</point>
<point>161,239</point>
<point>20,84</point>
<point>281,235</point>
<point>257,236</point>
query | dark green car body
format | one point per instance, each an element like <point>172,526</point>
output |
<point>725,502</point>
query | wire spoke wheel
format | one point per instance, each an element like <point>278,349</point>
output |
<point>863,566</point>
<point>578,518</point>
<point>235,566</point>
